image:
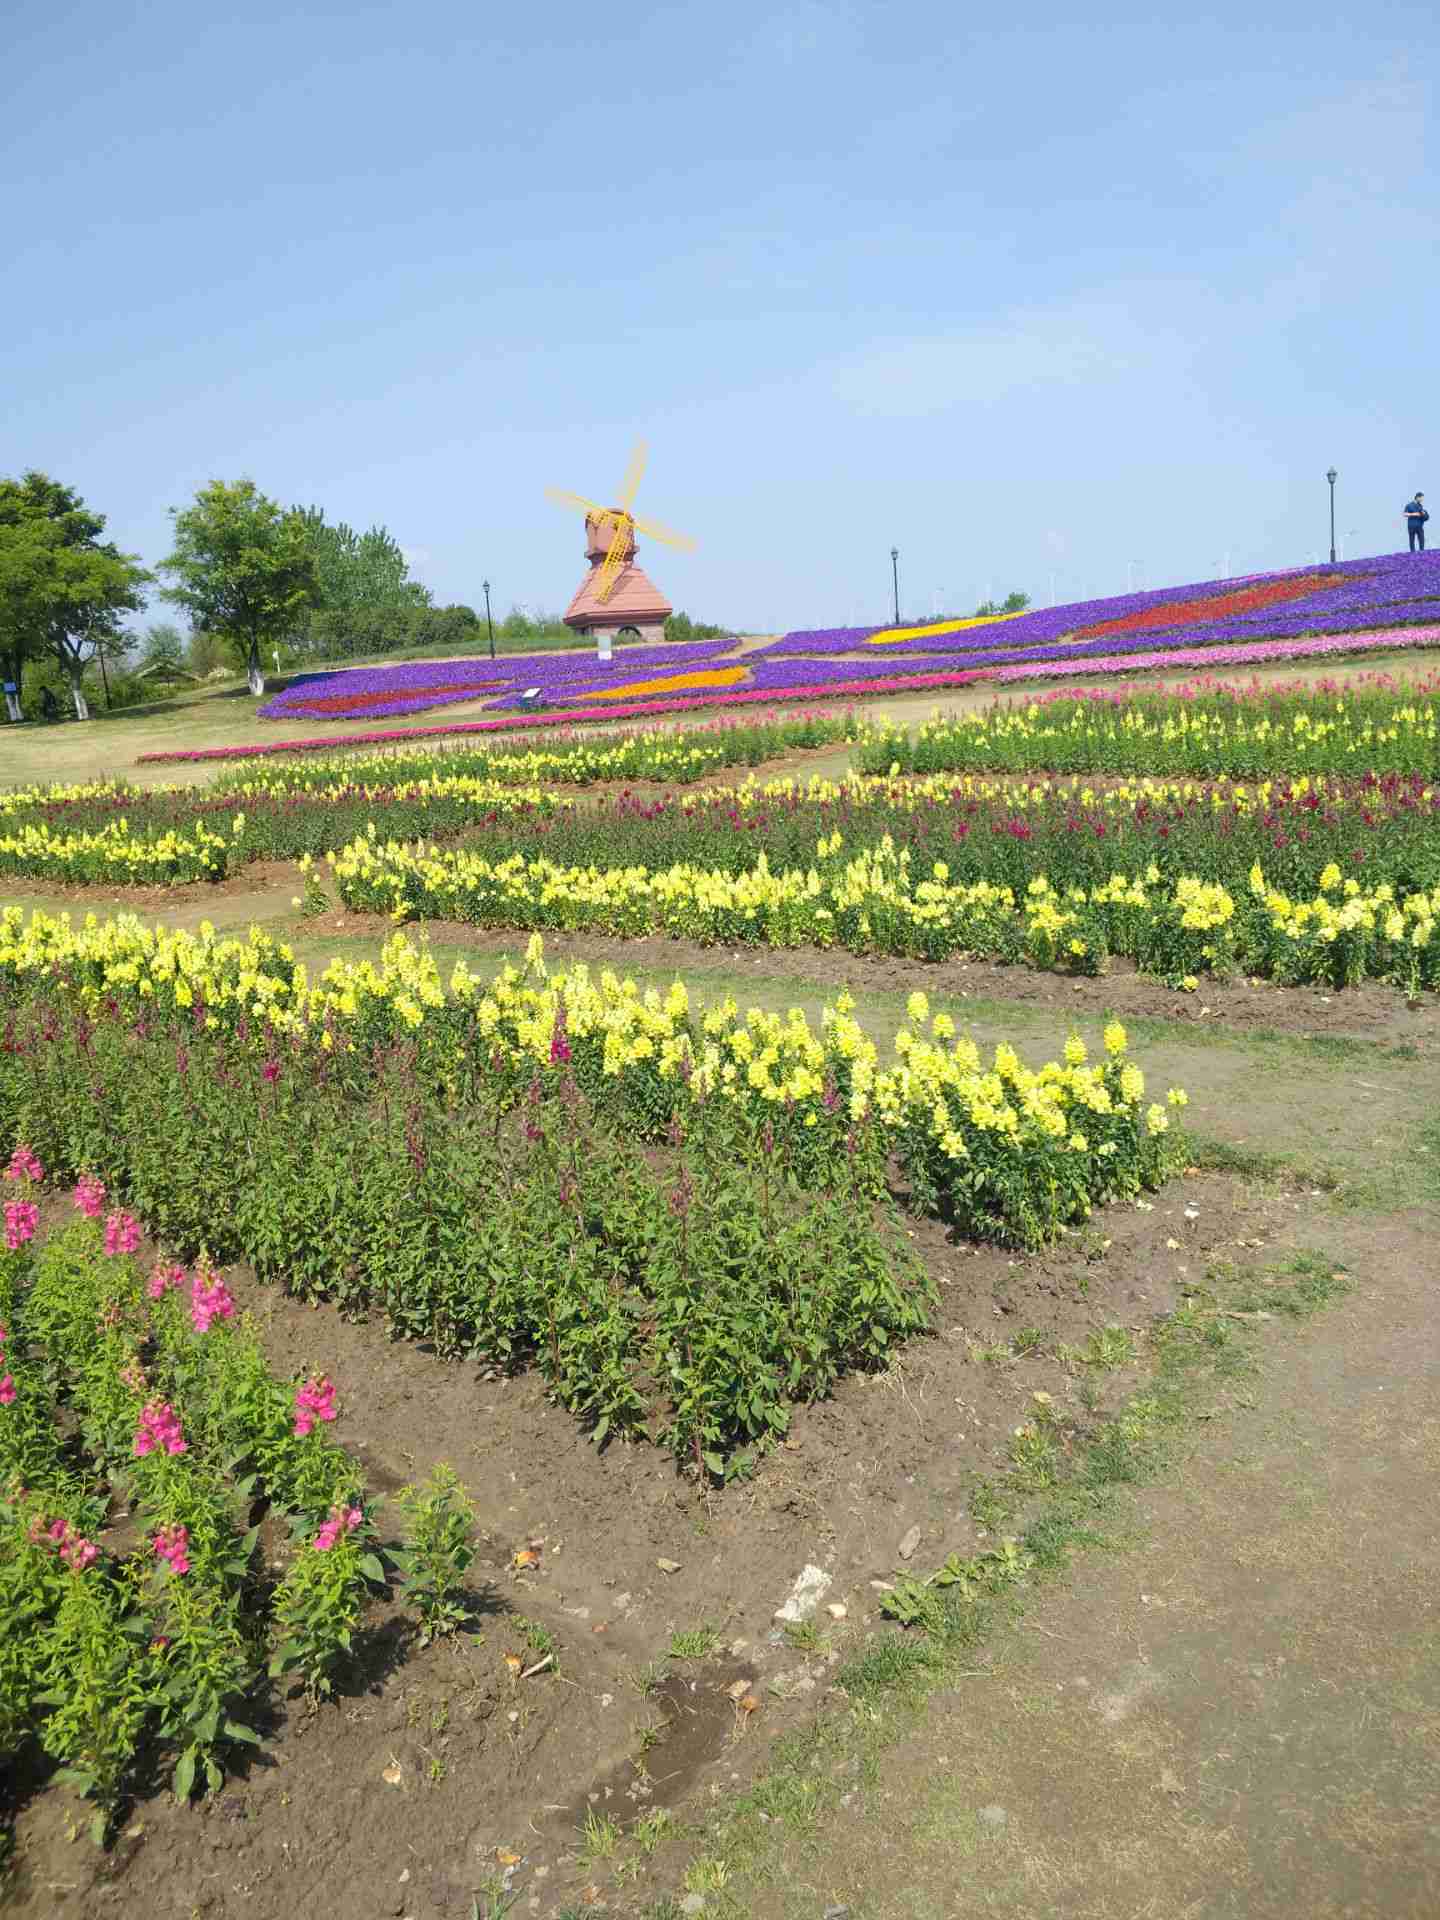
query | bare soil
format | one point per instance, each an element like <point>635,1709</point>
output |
<point>1239,1719</point>
<point>435,1768</point>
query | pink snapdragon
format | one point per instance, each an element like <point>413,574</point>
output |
<point>314,1401</point>
<point>74,1549</point>
<point>209,1302</point>
<point>21,1219</point>
<point>342,1520</point>
<point>159,1428</point>
<point>171,1544</point>
<point>163,1278</point>
<point>122,1233</point>
<point>24,1166</point>
<point>90,1196</point>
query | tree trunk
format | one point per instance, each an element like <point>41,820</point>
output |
<point>77,693</point>
<point>252,670</point>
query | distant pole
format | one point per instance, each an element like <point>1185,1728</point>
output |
<point>1331,477</point>
<point>106,677</point>
<point>895,580</point>
<point>488,621</point>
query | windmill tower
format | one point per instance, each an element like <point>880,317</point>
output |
<point>617,599</point>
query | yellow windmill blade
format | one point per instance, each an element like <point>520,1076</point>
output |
<point>614,563</point>
<point>630,485</point>
<point>654,531</point>
<point>564,498</point>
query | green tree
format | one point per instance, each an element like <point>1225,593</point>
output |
<point>679,626</point>
<point>62,589</point>
<point>243,567</point>
<point>358,570</point>
<point>162,649</point>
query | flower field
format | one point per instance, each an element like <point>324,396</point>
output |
<point>1370,727</point>
<point>1355,596</point>
<point>108,832</point>
<point>885,902</point>
<point>1356,606</point>
<point>151,1464</point>
<point>533,1208</point>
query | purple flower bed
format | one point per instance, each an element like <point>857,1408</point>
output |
<point>1400,587</point>
<point>412,685</point>
<point>1398,591</point>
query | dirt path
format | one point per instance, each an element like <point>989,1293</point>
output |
<point>1241,1717</point>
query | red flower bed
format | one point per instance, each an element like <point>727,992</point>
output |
<point>1212,606</point>
<point>328,704</point>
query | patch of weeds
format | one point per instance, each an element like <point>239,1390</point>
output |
<point>492,1902</point>
<point>990,1505</point>
<point>708,1874</point>
<point>599,1835</point>
<point>538,1638</point>
<point>650,1678</point>
<point>805,1636</point>
<point>696,1643</point>
<point>651,1828</point>
<point>1064,1525</point>
<point>1034,1458</point>
<point>890,1664</point>
<point>1109,1348</point>
<point>1302,1285</point>
<point>1251,1163</point>
<point>1027,1340</point>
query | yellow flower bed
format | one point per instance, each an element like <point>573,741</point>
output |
<point>1076,1131</point>
<point>672,683</point>
<point>892,636</point>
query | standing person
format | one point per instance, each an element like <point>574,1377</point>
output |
<point>1415,518</point>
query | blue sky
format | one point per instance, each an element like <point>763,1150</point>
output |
<point>1057,304</point>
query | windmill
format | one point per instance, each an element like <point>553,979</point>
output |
<point>616,597</point>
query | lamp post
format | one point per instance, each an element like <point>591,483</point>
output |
<point>895,580</point>
<point>1330,476</point>
<point>488,621</point>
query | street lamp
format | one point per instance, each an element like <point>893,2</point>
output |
<point>1330,476</point>
<point>488,621</point>
<point>895,580</point>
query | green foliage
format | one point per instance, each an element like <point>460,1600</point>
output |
<point>359,570</point>
<point>242,567</point>
<point>62,589</point>
<point>162,650</point>
<point>436,1552</point>
<point>692,1295</point>
<point>679,626</point>
<point>317,1608</point>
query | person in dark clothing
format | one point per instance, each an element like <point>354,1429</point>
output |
<point>1415,518</point>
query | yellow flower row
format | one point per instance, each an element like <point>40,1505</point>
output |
<point>880,900</point>
<point>934,1089</point>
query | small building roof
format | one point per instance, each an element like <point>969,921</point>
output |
<point>634,598</point>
